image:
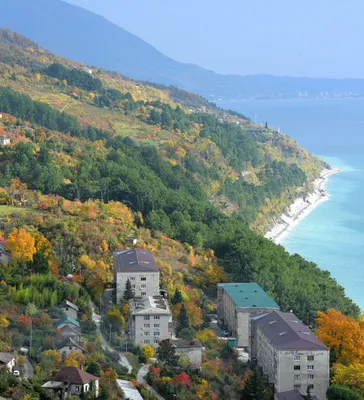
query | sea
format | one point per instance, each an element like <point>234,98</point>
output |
<point>332,235</point>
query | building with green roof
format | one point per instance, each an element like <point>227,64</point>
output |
<point>66,321</point>
<point>237,302</point>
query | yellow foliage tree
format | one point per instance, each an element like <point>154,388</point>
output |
<point>75,359</point>
<point>148,352</point>
<point>21,244</point>
<point>343,335</point>
<point>351,376</point>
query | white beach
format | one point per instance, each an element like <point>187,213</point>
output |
<point>300,208</point>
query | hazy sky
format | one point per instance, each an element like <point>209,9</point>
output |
<point>320,38</point>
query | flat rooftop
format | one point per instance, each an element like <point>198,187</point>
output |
<point>248,295</point>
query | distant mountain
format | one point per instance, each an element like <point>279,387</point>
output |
<point>80,34</point>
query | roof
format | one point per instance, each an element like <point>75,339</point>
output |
<point>156,305</point>
<point>53,385</point>
<point>248,295</point>
<point>67,320</point>
<point>74,376</point>
<point>135,260</point>
<point>286,331</point>
<point>290,395</point>
<point>6,357</point>
<point>69,342</point>
<point>70,328</point>
<point>66,303</point>
<point>129,390</point>
<point>181,343</point>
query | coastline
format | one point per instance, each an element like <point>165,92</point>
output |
<point>300,208</point>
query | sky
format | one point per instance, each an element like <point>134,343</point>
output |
<point>316,38</point>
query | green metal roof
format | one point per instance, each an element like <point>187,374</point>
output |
<point>248,295</point>
<point>67,321</point>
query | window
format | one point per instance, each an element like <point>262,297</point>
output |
<point>156,341</point>
<point>296,357</point>
<point>296,377</point>
<point>310,358</point>
<point>157,333</point>
<point>144,293</point>
<point>66,308</point>
<point>132,278</point>
<point>310,377</point>
<point>146,333</point>
<point>297,367</point>
<point>77,388</point>
<point>144,286</point>
<point>133,286</point>
<point>310,367</point>
<point>146,341</point>
<point>311,386</point>
<point>297,387</point>
<point>157,317</point>
<point>70,347</point>
<point>146,325</point>
<point>146,317</point>
<point>157,325</point>
<point>143,279</point>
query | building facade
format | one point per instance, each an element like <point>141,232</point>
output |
<point>68,346</point>
<point>193,349</point>
<point>236,302</point>
<point>139,267</point>
<point>291,356</point>
<point>151,320</point>
<point>69,309</point>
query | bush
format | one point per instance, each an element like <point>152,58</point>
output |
<point>341,392</point>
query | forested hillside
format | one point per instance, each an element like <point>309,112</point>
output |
<point>102,137</point>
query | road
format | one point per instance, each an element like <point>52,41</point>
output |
<point>140,378</point>
<point>28,369</point>
<point>122,360</point>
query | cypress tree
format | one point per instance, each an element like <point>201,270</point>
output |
<point>177,297</point>
<point>183,319</point>
<point>128,293</point>
<point>256,388</point>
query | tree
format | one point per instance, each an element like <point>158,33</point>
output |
<point>21,244</point>
<point>75,359</point>
<point>183,319</point>
<point>341,392</point>
<point>148,352</point>
<point>129,292</point>
<point>308,395</point>
<point>181,379</point>
<point>177,297</point>
<point>256,388</point>
<point>343,335</point>
<point>167,353</point>
<point>351,376</point>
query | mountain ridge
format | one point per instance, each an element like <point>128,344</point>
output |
<point>76,33</point>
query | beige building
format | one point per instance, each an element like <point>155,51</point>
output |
<point>290,355</point>
<point>193,349</point>
<point>139,267</point>
<point>69,345</point>
<point>7,360</point>
<point>151,320</point>
<point>236,302</point>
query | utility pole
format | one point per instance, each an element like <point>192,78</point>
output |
<point>31,336</point>
<point>100,303</point>
<point>110,333</point>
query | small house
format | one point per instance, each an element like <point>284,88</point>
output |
<point>191,348</point>
<point>7,360</point>
<point>69,309</point>
<point>4,140</point>
<point>5,255</point>
<point>70,331</point>
<point>68,345</point>
<point>66,321</point>
<point>72,381</point>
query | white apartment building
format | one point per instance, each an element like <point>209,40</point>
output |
<point>290,355</point>
<point>151,320</point>
<point>139,266</point>
<point>236,302</point>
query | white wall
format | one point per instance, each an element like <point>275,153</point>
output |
<point>142,282</point>
<point>142,333</point>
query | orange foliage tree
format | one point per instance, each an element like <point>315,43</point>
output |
<point>343,335</point>
<point>21,244</point>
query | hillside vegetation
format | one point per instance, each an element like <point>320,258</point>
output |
<point>106,138</point>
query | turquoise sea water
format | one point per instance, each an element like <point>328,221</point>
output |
<point>333,234</point>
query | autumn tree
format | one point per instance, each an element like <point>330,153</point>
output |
<point>351,376</point>
<point>75,359</point>
<point>148,352</point>
<point>177,297</point>
<point>256,388</point>
<point>343,335</point>
<point>167,353</point>
<point>21,245</point>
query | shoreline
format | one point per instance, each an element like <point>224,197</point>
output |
<point>300,208</point>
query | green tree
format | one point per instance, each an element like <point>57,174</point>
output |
<point>183,319</point>
<point>129,292</point>
<point>341,392</point>
<point>256,388</point>
<point>308,394</point>
<point>177,297</point>
<point>167,353</point>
